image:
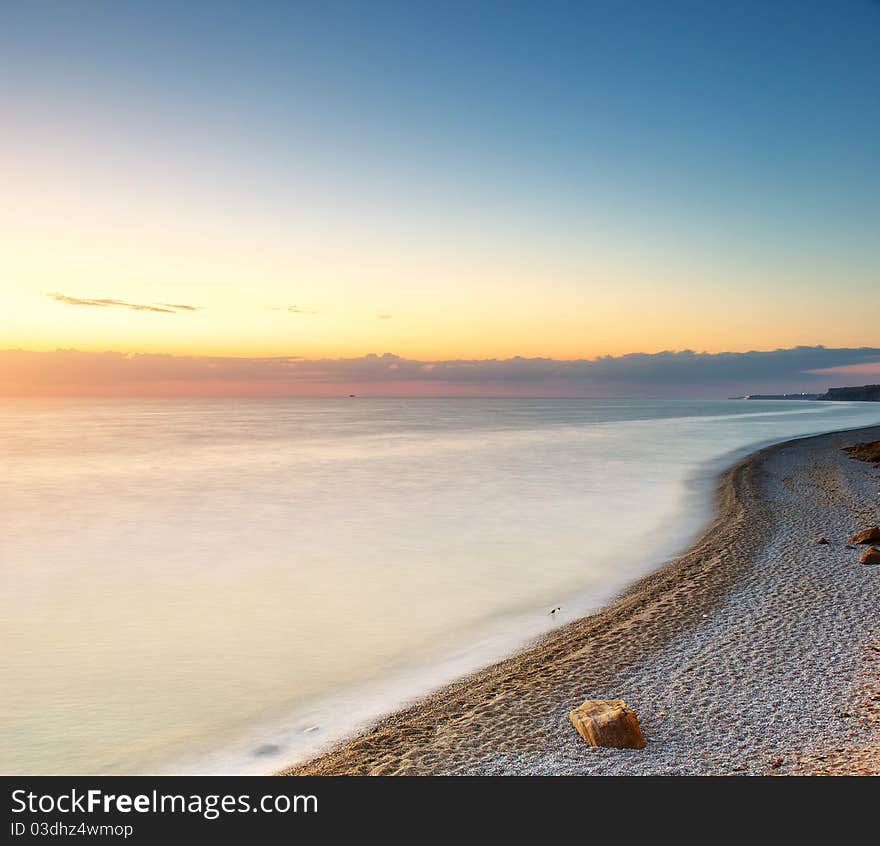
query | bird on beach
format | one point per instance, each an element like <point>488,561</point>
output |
<point>553,612</point>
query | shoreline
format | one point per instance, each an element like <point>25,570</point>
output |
<point>511,717</point>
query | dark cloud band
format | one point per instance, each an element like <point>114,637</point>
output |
<point>682,373</point>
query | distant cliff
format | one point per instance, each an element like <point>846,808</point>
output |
<point>865,393</point>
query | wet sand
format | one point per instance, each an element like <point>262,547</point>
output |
<point>756,651</point>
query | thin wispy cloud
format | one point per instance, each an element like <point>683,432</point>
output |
<point>179,307</point>
<point>295,309</point>
<point>162,308</point>
<point>385,317</point>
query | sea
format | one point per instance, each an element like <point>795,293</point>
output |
<point>229,586</point>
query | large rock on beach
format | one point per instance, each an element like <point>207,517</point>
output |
<point>608,722</point>
<point>866,535</point>
<point>870,556</point>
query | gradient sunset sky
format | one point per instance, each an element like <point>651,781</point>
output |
<point>444,182</point>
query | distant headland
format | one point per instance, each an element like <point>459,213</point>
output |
<point>862,393</point>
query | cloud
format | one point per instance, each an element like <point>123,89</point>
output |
<point>384,317</point>
<point>163,308</point>
<point>665,374</point>
<point>295,309</point>
<point>179,307</point>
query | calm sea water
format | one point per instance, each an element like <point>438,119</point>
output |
<point>229,585</point>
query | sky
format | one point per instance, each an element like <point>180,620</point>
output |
<point>447,197</point>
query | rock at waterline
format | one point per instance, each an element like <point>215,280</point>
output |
<point>866,452</point>
<point>870,556</point>
<point>866,535</point>
<point>608,722</point>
